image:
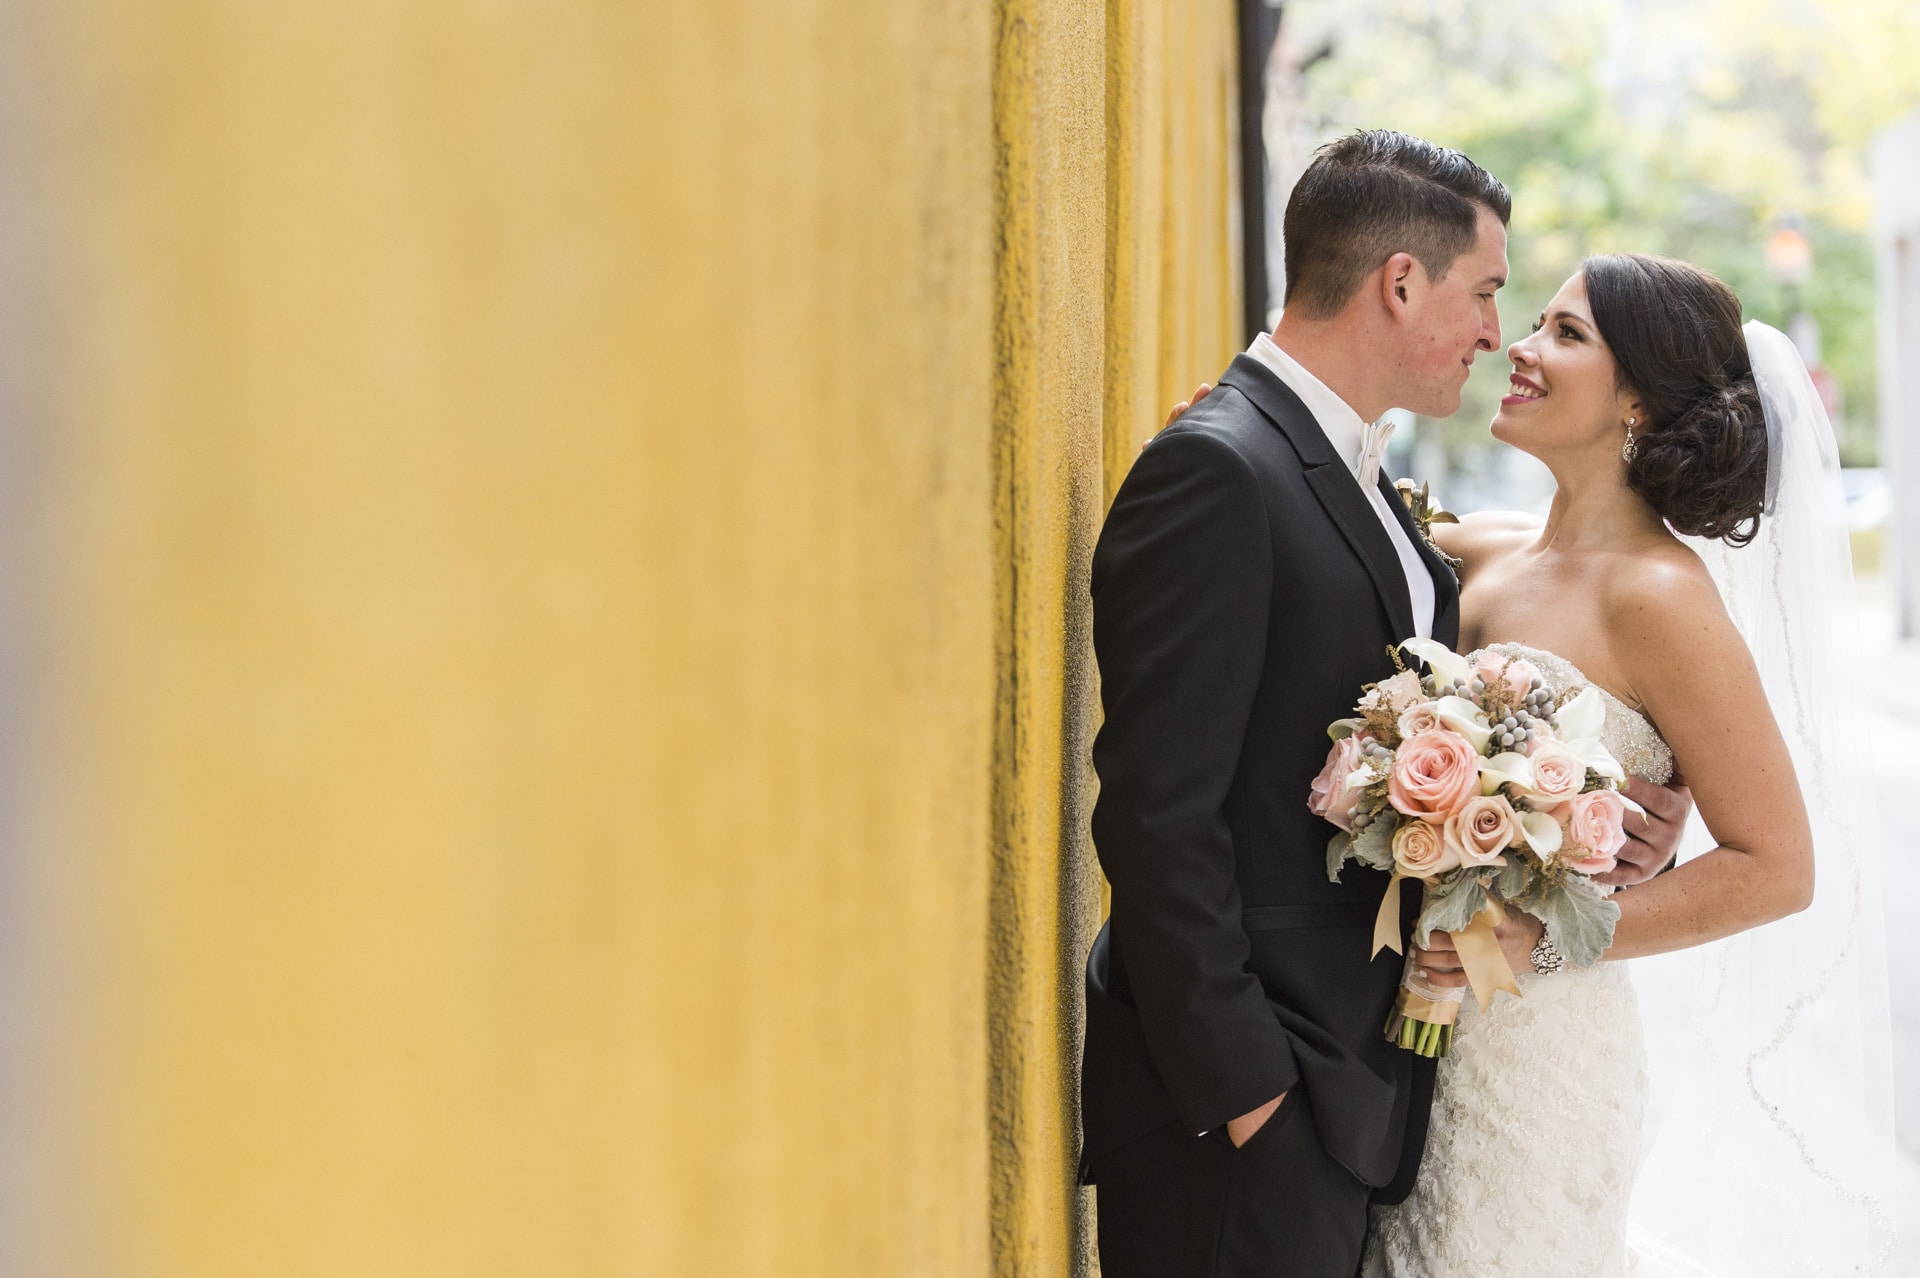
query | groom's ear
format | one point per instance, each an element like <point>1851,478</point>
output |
<point>1400,278</point>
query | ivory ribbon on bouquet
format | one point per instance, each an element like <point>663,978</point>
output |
<point>1479,949</point>
<point>1386,924</point>
<point>1480,954</point>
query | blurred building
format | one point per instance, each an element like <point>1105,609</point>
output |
<point>1896,179</point>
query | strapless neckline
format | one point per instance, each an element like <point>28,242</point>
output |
<point>1635,742</point>
<point>1529,650</point>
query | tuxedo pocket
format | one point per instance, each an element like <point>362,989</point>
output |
<point>1284,1115</point>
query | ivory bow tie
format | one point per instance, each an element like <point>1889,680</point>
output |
<point>1373,446</point>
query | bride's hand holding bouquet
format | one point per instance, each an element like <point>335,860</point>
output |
<point>1490,790</point>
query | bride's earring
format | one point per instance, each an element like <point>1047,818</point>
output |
<point>1630,449</point>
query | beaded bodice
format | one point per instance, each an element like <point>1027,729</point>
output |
<point>1629,734</point>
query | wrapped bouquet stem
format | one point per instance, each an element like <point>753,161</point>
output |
<point>1492,791</point>
<point>1423,1014</point>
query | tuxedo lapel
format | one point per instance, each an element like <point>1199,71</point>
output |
<point>1350,511</point>
<point>1332,483</point>
<point>1446,586</point>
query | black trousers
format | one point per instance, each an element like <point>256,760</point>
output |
<point>1175,1205</point>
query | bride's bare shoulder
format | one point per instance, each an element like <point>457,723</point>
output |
<point>1662,599</point>
<point>1486,534</point>
<point>1678,654</point>
<point>1664,572</point>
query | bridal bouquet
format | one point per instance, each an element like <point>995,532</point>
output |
<point>1491,790</point>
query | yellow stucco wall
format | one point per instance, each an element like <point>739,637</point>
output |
<point>551,545</point>
<point>1117,286</point>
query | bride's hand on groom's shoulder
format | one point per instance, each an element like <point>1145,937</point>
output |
<point>1653,835</point>
<point>1181,407</point>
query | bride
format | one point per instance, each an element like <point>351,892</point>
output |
<point>1640,391</point>
<point>1692,567</point>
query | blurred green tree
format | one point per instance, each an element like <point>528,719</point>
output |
<point>1688,129</point>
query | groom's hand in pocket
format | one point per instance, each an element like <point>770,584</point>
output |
<point>1240,1130</point>
<point>1653,834</point>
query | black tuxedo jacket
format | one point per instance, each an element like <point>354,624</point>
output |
<point>1243,591</point>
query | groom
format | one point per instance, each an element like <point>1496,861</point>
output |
<point>1241,1104</point>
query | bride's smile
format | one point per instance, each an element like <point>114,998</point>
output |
<point>1522,390</point>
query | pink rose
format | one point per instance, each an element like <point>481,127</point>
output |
<point>1422,716</point>
<point>1420,852</point>
<point>1596,831</point>
<point>1516,672</point>
<point>1394,694</point>
<point>1330,796</point>
<point>1558,774</point>
<point>1433,775</point>
<point>1482,829</point>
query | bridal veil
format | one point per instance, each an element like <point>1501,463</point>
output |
<point>1770,1127</point>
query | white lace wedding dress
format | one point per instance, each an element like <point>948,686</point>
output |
<point>1536,1127</point>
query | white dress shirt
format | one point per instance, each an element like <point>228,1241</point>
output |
<point>1349,437</point>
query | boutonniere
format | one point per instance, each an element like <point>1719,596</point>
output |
<point>1426,513</point>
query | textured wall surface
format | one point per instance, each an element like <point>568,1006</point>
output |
<point>551,549</point>
<point>1116,289</point>
<point>1049,90</point>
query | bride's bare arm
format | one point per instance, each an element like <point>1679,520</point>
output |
<point>1483,535</point>
<point>1690,669</point>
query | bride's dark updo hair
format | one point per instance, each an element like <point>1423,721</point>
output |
<point>1702,446</point>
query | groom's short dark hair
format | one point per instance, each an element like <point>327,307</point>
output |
<point>1374,193</point>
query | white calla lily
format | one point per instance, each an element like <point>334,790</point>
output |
<point>1581,718</point>
<point>1598,758</point>
<point>1447,665</point>
<point>1503,768</point>
<point>1465,718</point>
<point>1544,835</point>
<point>1341,729</point>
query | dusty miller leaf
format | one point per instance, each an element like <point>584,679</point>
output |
<point>1579,920</point>
<point>1514,878</point>
<point>1450,905</point>
<point>1374,845</point>
<point>1337,849</point>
